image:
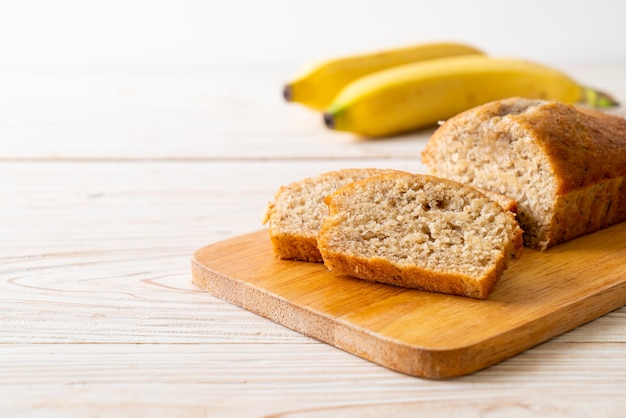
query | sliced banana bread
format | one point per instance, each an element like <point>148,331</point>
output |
<point>421,232</point>
<point>297,211</point>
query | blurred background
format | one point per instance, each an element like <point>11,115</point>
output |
<point>194,34</point>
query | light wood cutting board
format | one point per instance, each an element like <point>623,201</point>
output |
<point>423,334</point>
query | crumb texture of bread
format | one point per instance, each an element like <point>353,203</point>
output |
<point>419,231</point>
<point>565,166</point>
<point>296,213</point>
<point>507,202</point>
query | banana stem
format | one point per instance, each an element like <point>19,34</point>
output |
<point>598,99</point>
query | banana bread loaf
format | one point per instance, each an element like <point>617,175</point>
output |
<point>419,231</point>
<point>564,165</point>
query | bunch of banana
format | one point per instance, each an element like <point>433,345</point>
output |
<point>317,84</point>
<point>411,96</point>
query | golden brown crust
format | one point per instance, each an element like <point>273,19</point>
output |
<point>588,209</point>
<point>295,247</point>
<point>414,277</point>
<point>585,146</point>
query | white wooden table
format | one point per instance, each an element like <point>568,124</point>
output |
<point>110,181</point>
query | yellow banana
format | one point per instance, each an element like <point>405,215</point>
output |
<point>418,95</point>
<point>316,85</point>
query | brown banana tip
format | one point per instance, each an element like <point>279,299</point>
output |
<point>287,93</point>
<point>329,120</point>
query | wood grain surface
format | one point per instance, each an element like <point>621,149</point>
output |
<point>110,181</point>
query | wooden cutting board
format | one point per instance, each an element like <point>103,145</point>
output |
<point>423,334</point>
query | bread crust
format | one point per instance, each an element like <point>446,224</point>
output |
<point>585,146</point>
<point>379,270</point>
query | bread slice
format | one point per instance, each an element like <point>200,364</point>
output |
<point>419,231</point>
<point>296,214</point>
<point>564,165</point>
